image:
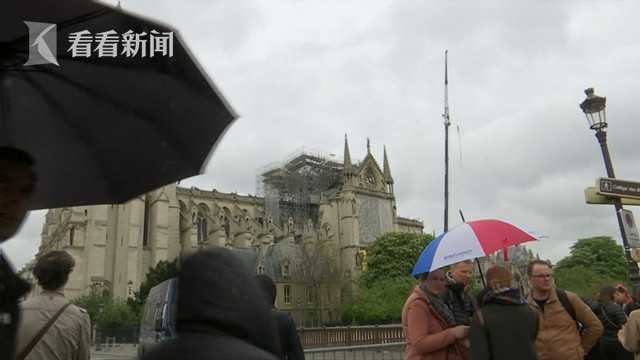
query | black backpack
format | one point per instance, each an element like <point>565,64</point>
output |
<point>568,307</point>
<point>566,303</point>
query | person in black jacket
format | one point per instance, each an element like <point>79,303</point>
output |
<point>222,313</point>
<point>613,318</point>
<point>287,332</point>
<point>505,327</point>
<point>594,353</point>
<point>456,296</point>
<point>17,182</point>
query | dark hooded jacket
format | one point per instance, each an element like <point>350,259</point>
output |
<point>612,318</point>
<point>505,327</point>
<point>222,313</point>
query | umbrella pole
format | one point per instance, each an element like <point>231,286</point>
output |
<point>484,283</point>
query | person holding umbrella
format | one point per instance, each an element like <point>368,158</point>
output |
<point>17,182</point>
<point>456,295</point>
<point>429,325</point>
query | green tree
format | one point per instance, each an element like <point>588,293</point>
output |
<point>393,255</point>
<point>601,254</point>
<point>379,304</point>
<point>385,285</point>
<point>592,262</point>
<point>117,314</point>
<point>164,270</point>
<point>93,303</point>
<point>583,281</point>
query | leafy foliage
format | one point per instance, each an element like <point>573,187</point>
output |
<point>379,304</point>
<point>583,281</point>
<point>601,254</point>
<point>117,314</point>
<point>93,303</point>
<point>592,263</point>
<point>164,270</point>
<point>393,255</point>
<point>107,313</point>
<point>387,282</point>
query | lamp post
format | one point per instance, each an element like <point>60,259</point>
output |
<point>594,108</point>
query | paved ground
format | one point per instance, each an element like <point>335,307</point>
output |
<point>118,352</point>
<point>129,352</point>
<point>356,355</point>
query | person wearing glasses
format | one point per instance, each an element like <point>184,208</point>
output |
<point>568,328</point>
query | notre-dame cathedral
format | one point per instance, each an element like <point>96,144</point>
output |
<point>308,228</point>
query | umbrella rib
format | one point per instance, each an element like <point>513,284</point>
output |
<point>4,110</point>
<point>64,115</point>
<point>122,107</point>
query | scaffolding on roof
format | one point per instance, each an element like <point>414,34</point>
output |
<point>293,188</point>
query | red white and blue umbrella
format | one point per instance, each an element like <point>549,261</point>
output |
<point>469,240</point>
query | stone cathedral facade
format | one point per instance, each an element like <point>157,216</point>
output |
<point>309,230</point>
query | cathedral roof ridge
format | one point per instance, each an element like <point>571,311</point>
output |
<point>219,194</point>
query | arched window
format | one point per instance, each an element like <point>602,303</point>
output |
<point>361,259</point>
<point>72,234</point>
<point>286,269</point>
<point>227,221</point>
<point>287,294</point>
<point>146,222</point>
<point>201,223</point>
<point>309,294</point>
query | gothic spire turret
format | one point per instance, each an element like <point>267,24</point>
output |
<point>386,169</point>
<point>347,167</point>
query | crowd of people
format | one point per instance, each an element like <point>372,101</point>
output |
<point>442,321</point>
<point>224,309</point>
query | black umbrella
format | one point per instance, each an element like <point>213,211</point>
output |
<point>107,125</point>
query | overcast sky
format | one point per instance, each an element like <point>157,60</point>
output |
<point>304,73</point>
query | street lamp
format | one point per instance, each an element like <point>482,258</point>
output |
<point>594,108</point>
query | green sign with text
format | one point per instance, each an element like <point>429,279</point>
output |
<point>618,188</point>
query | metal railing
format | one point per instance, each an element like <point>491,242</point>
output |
<point>350,335</point>
<point>390,351</point>
<point>124,335</point>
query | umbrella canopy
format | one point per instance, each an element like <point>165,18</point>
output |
<point>113,107</point>
<point>467,241</point>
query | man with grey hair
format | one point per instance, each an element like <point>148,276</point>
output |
<point>51,327</point>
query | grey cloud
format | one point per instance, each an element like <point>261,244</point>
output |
<point>303,74</point>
